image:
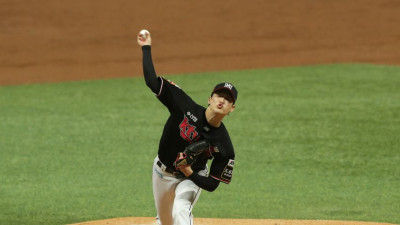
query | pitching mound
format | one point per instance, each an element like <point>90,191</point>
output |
<point>211,221</point>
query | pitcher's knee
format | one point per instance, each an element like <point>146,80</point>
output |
<point>181,213</point>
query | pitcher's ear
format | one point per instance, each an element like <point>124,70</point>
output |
<point>233,108</point>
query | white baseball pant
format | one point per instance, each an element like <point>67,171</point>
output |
<point>174,197</point>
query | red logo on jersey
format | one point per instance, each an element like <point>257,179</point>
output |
<point>188,132</point>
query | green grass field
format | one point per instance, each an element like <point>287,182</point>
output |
<point>314,142</point>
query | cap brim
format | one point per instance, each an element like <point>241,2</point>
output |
<point>228,90</point>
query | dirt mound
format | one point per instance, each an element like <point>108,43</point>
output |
<point>211,221</point>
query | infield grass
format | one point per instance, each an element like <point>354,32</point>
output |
<point>315,142</point>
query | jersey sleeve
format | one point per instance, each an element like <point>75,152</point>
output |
<point>223,154</point>
<point>222,169</point>
<point>150,76</point>
<point>172,96</point>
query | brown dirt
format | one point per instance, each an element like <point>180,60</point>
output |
<point>51,41</point>
<point>210,221</point>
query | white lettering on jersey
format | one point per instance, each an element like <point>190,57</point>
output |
<point>191,116</point>
<point>228,171</point>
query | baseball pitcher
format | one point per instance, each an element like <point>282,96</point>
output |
<point>192,135</point>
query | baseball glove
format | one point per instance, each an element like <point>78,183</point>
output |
<point>190,154</point>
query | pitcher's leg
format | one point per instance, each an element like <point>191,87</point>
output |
<point>186,195</point>
<point>164,194</point>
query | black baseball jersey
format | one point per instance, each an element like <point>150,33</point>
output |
<point>186,124</point>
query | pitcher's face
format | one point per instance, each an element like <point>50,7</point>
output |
<point>221,102</point>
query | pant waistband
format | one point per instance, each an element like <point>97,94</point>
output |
<point>168,170</point>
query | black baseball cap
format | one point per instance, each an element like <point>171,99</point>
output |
<point>226,86</point>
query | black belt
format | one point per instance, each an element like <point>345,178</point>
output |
<point>169,170</point>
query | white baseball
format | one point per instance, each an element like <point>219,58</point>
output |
<point>144,33</point>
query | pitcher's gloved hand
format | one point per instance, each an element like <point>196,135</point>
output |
<point>190,154</point>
